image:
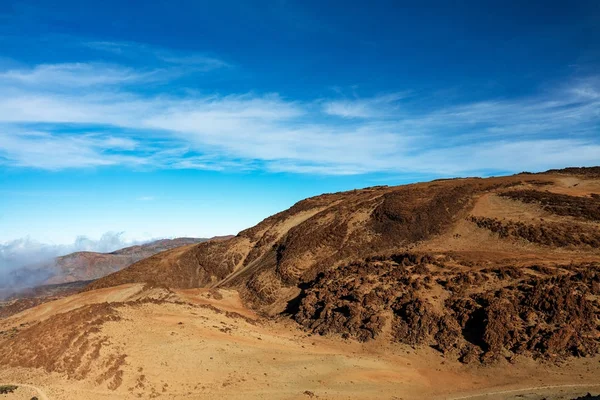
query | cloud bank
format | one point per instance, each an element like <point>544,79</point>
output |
<point>49,119</point>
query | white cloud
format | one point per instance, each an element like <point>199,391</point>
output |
<point>379,134</point>
<point>53,152</point>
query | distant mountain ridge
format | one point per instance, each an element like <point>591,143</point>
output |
<point>87,265</point>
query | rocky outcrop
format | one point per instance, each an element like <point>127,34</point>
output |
<point>474,315</point>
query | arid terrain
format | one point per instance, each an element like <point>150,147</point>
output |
<point>451,289</point>
<point>70,273</point>
<point>89,265</point>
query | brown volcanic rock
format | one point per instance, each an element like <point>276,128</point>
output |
<point>548,234</point>
<point>592,172</point>
<point>561,204</point>
<point>543,316</point>
<point>416,264</point>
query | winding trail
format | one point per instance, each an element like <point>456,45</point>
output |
<point>533,388</point>
<point>40,392</point>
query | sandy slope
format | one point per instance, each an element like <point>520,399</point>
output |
<point>204,344</point>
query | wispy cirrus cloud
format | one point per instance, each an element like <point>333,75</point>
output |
<point>78,75</point>
<point>373,107</point>
<point>384,133</point>
<point>133,50</point>
<point>51,151</point>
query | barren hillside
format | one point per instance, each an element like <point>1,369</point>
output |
<point>379,292</point>
<point>463,265</point>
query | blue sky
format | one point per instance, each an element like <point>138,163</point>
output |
<point>193,118</point>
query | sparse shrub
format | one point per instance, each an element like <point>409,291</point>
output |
<point>6,389</point>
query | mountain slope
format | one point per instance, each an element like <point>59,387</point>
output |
<point>381,292</point>
<point>328,230</point>
<point>311,235</point>
<point>460,265</point>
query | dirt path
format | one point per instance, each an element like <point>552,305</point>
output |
<point>40,392</point>
<point>528,389</point>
